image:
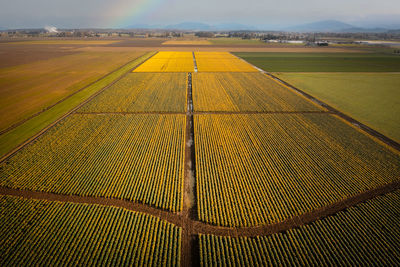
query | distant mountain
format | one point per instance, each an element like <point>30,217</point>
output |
<point>321,26</point>
<point>195,26</point>
<point>332,26</point>
<point>233,27</point>
<point>144,26</point>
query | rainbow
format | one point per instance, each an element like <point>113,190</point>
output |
<point>127,12</point>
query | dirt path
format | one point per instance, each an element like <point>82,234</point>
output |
<point>192,227</point>
<point>189,254</point>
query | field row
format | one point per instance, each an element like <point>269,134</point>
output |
<point>134,157</point>
<point>244,92</point>
<point>43,233</point>
<point>262,169</point>
<point>167,92</point>
<point>364,235</point>
<point>143,92</point>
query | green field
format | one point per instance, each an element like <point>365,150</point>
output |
<point>323,62</point>
<point>372,98</point>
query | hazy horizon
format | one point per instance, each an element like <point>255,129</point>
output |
<point>124,13</point>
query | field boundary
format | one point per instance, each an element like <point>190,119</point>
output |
<point>44,130</point>
<point>194,227</point>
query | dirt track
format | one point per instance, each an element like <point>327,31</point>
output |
<point>193,227</point>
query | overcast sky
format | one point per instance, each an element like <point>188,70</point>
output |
<point>122,13</point>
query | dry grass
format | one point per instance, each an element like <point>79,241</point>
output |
<point>29,88</point>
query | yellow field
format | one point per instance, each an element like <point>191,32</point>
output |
<point>244,92</point>
<point>221,62</point>
<point>261,169</point>
<point>143,92</point>
<point>168,62</point>
<point>187,42</point>
<point>133,157</point>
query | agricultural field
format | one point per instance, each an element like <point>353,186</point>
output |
<point>64,42</point>
<point>30,88</point>
<point>165,61</point>
<point>221,62</point>
<point>143,92</point>
<point>133,157</point>
<point>259,169</point>
<point>187,158</point>
<point>323,62</point>
<point>236,41</point>
<point>187,42</point>
<point>46,233</point>
<point>372,98</point>
<point>364,235</point>
<point>244,92</point>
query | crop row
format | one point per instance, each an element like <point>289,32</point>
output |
<point>134,157</point>
<point>143,92</point>
<point>221,62</point>
<point>244,92</point>
<point>264,168</point>
<point>168,62</point>
<point>364,235</point>
<point>43,233</point>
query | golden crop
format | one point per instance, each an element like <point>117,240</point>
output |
<point>135,157</point>
<point>264,168</point>
<point>221,62</point>
<point>168,62</point>
<point>244,92</point>
<point>143,92</point>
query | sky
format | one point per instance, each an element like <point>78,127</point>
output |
<point>260,13</point>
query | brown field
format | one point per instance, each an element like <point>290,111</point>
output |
<point>187,42</point>
<point>12,55</point>
<point>211,48</point>
<point>26,89</point>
